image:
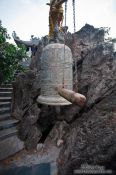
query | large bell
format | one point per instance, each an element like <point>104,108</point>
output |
<point>56,70</point>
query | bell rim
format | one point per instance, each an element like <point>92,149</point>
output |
<point>53,101</point>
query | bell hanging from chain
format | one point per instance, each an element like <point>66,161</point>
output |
<point>56,71</point>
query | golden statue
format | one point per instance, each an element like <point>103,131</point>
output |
<point>55,16</point>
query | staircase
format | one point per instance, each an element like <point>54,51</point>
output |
<point>9,142</point>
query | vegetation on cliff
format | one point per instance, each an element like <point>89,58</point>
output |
<point>10,56</point>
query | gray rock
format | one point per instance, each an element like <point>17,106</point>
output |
<point>58,132</point>
<point>92,136</point>
<point>25,90</point>
<point>33,138</point>
<point>67,113</point>
<point>28,131</point>
<point>32,114</point>
<point>35,60</point>
<point>98,73</point>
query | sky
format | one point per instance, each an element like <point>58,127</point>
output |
<point>30,17</point>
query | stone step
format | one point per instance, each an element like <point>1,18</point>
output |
<point>5,116</point>
<point>6,85</point>
<point>5,104</point>
<point>5,99</point>
<point>5,133</point>
<point>5,94</point>
<point>5,110</point>
<point>10,145</point>
<point>3,89</point>
<point>8,123</point>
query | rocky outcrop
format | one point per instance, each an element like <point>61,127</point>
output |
<point>92,136</point>
<point>25,90</point>
<point>85,135</point>
<point>58,133</point>
<point>24,108</point>
<point>35,60</point>
<point>35,121</point>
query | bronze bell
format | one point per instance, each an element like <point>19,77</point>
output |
<point>56,71</point>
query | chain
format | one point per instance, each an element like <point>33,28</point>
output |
<point>64,41</point>
<point>74,40</point>
<point>73,4</point>
<point>65,12</point>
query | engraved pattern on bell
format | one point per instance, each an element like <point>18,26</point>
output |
<point>56,70</point>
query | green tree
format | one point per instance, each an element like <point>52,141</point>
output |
<point>10,56</point>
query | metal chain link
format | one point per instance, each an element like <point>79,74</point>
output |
<point>75,61</point>
<point>64,42</point>
<point>65,12</point>
<point>73,4</point>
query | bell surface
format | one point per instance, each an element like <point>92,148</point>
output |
<point>56,70</point>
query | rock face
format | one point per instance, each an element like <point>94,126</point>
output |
<point>25,109</point>
<point>35,61</point>
<point>60,129</point>
<point>92,136</point>
<point>85,135</point>
<point>26,89</point>
<point>35,121</point>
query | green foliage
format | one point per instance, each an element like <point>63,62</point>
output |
<point>10,57</point>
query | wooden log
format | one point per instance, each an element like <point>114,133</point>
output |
<point>72,96</point>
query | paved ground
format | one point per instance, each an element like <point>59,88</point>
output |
<point>44,156</point>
